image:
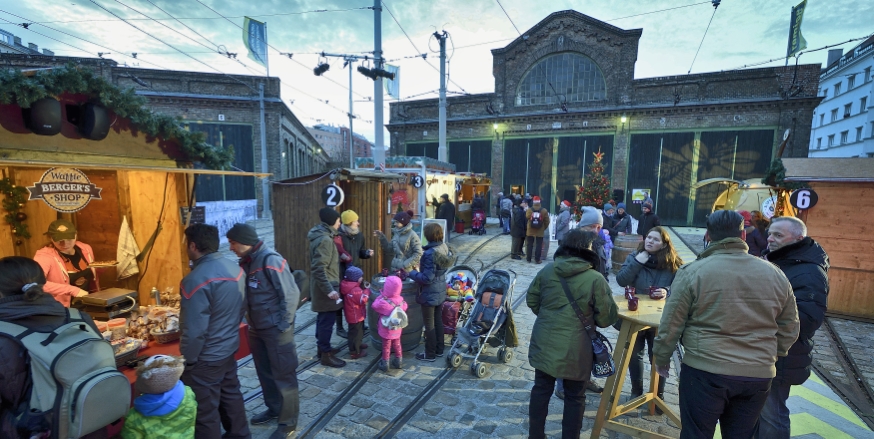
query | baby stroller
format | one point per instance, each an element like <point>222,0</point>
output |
<point>478,223</point>
<point>486,323</point>
<point>457,309</point>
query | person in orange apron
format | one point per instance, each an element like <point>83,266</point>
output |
<point>65,262</point>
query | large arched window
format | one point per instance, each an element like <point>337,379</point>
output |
<point>574,78</point>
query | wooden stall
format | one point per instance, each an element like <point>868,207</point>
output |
<point>840,222</point>
<point>422,179</point>
<point>296,204</point>
<point>471,184</point>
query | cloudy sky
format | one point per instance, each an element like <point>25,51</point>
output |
<point>743,32</point>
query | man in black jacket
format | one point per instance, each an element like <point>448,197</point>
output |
<point>806,265</point>
<point>446,211</point>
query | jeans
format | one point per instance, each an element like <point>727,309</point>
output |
<point>219,399</point>
<point>534,243</point>
<point>433,321</point>
<point>706,398</point>
<point>325,329</point>
<point>275,358</point>
<point>505,224</point>
<point>774,420</point>
<point>538,408</point>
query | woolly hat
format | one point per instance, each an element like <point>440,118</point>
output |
<point>353,273</point>
<point>535,200</point>
<point>328,216</point>
<point>348,217</point>
<point>244,234</point>
<point>647,204</point>
<point>403,218</point>
<point>620,206</point>
<point>445,197</point>
<point>590,216</point>
<point>607,207</point>
<point>392,287</point>
<point>159,374</point>
<point>748,218</point>
<point>565,205</point>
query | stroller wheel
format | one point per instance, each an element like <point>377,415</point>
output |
<point>454,360</point>
<point>505,355</point>
<point>479,370</point>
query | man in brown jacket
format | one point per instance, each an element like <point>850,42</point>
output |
<point>538,223</point>
<point>735,314</point>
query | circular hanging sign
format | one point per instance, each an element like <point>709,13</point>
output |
<point>417,181</point>
<point>769,206</point>
<point>803,199</point>
<point>457,187</point>
<point>332,195</point>
<point>66,190</point>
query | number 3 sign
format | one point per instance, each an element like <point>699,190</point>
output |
<point>332,195</point>
<point>803,199</point>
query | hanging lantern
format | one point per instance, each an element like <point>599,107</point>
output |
<point>21,216</point>
<point>18,242</point>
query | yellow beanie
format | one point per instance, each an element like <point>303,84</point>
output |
<point>348,217</point>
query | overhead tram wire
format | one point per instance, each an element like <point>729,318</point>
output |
<point>46,36</point>
<point>660,10</point>
<point>783,58</point>
<point>508,17</point>
<point>212,18</point>
<point>715,8</point>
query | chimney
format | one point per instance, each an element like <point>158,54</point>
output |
<point>17,40</point>
<point>33,47</point>
<point>48,52</point>
<point>834,55</point>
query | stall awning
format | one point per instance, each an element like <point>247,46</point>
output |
<point>127,167</point>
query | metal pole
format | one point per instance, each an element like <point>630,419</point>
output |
<point>351,133</point>
<point>265,186</point>
<point>378,148</point>
<point>266,51</point>
<point>441,127</point>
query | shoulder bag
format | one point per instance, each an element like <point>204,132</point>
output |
<point>602,363</point>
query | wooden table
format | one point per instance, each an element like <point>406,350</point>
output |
<point>648,315</point>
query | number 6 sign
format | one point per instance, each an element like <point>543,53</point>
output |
<point>803,199</point>
<point>332,195</point>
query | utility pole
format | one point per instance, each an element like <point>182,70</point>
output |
<point>379,148</point>
<point>265,184</point>
<point>441,126</point>
<point>349,62</point>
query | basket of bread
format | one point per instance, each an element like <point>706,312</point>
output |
<point>160,323</point>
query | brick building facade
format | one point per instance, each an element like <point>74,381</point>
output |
<point>566,88</point>
<point>335,140</point>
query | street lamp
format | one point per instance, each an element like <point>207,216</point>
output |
<point>321,68</point>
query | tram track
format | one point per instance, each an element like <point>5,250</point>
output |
<point>858,394</point>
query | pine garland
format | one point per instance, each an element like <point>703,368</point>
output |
<point>596,189</point>
<point>14,199</point>
<point>16,88</point>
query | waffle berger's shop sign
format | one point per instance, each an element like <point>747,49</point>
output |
<point>66,190</point>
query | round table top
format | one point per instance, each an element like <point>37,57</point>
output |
<point>649,312</point>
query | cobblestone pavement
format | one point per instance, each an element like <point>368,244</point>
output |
<point>465,406</point>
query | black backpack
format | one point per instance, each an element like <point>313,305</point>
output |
<point>537,219</point>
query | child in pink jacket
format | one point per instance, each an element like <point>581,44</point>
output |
<point>391,338</point>
<point>355,308</point>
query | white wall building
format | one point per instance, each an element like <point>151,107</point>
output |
<point>843,125</point>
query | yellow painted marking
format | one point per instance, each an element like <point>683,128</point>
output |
<point>806,423</point>
<point>828,404</point>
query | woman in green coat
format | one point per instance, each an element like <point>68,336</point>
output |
<point>560,346</point>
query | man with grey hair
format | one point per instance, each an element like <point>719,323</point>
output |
<point>729,362</point>
<point>592,221</point>
<point>806,265</point>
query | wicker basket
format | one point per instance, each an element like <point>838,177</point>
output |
<point>121,360</point>
<point>164,337</point>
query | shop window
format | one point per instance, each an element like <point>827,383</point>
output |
<point>560,78</point>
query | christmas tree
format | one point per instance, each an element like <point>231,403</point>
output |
<point>595,190</point>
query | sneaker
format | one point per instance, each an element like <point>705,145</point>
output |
<point>361,354</point>
<point>421,356</point>
<point>539,262</point>
<point>592,387</point>
<point>363,347</point>
<point>263,418</point>
<point>383,365</point>
<point>439,354</point>
<point>518,258</point>
<point>396,363</point>
<point>283,431</point>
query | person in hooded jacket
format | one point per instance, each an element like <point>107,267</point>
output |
<point>405,249</point>
<point>353,243</point>
<point>432,281</point>
<point>325,283</point>
<point>446,211</point>
<point>518,228</point>
<point>560,346</point>
<point>805,264</point>
<point>653,264</point>
<point>24,302</point>
<point>562,221</point>
<point>648,219</point>
<point>621,220</point>
<point>609,224</point>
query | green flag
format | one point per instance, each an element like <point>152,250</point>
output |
<point>255,38</point>
<point>797,43</point>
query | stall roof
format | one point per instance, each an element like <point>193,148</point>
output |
<point>848,170</point>
<point>127,167</point>
<point>343,174</point>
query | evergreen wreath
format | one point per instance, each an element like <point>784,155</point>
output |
<point>14,199</point>
<point>16,88</point>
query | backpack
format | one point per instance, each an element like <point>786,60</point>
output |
<point>536,220</point>
<point>75,387</point>
<point>397,319</point>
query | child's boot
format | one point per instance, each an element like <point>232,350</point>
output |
<point>383,365</point>
<point>396,363</point>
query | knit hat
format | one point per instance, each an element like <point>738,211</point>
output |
<point>620,206</point>
<point>536,200</point>
<point>348,217</point>
<point>61,229</point>
<point>607,207</point>
<point>565,204</point>
<point>748,218</point>
<point>244,234</point>
<point>159,374</point>
<point>328,216</point>
<point>392,287</point>
<point>590,216</point>
<point>647,204</point>
<point>403,218</point>
<point>353,273</point>
<point>445,197</point>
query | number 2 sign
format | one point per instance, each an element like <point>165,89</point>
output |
<point>332,195</point>
<point>803,199</point>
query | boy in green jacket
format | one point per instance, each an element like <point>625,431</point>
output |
<point>167,408</point>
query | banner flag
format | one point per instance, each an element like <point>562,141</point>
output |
<point>797,43</point>
<point>393,87</point>
<point>255,39</point>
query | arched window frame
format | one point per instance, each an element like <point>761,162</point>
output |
<point>587,86</point>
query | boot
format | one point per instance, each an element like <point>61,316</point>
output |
<point>594,388</point>
<point>340,331</point>
<point>383,365</point>
<point>396,363</point>
<point>334,351</point>
<point>661,394</point>
<point>283,431</point>
<point>328,359</point>
<point>636,388</point>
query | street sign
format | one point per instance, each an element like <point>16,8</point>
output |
<point>803,199</point>
<point>332,195</point>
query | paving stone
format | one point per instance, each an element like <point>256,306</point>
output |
<point>431,409</point>
<point>486,427</point>
<point>448,415</point>
<point>309,393</point>
<point>321,381</point>
<point>428,424</point>
<point>446,400</point>
<point>357,431</point>
<point>467,419</point>
<point>362,401</point>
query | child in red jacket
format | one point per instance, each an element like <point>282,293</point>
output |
<point>352,290</point>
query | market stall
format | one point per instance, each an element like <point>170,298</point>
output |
<point>469,185</point>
